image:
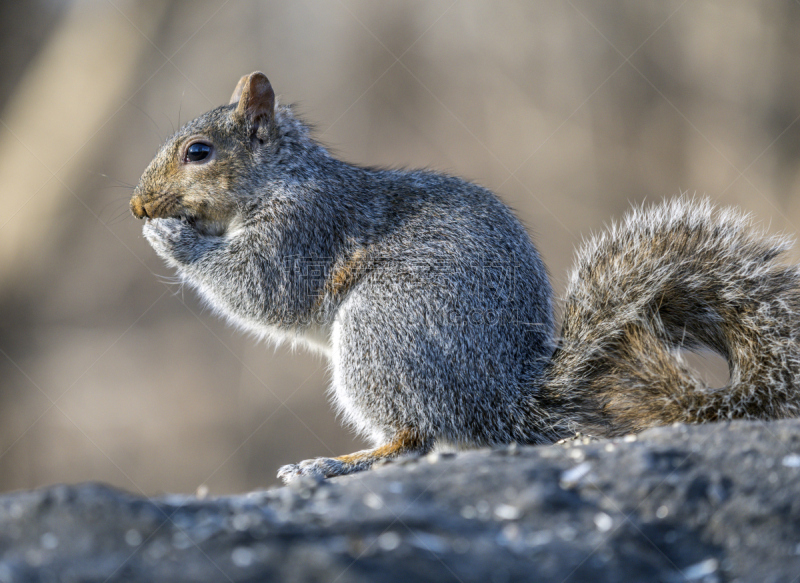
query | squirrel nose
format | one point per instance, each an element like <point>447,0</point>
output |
<point>137,207</point>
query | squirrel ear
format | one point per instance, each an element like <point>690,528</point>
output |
<point>256,97</point>
<point>237,93</point>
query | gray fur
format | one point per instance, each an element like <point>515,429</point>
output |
<point>428,296</point>
<point>678,275</point>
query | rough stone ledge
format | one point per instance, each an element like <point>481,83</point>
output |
<point>684,503</point>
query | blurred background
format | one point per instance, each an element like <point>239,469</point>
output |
<point>569,110</point>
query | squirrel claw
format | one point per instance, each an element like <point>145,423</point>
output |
<point>289,472</point>
<point>319,468</point>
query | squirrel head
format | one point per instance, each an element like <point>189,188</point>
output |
<point>207,169</point>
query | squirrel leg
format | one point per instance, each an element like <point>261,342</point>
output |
<point>405,441</point>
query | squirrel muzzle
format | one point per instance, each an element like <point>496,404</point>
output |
<point>158,206</point>
<point>138,207</point>
<point>203,215</point>
<point>146,204</point>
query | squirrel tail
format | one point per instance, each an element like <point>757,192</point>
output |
<point>678,275</point>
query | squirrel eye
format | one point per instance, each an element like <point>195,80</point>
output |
<point>197,152</point>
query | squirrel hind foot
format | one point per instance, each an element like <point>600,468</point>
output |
<point>405,442</point>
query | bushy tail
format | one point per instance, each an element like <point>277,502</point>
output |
<point>671,276</point>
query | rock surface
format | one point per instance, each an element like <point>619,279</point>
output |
<point>684,503</point>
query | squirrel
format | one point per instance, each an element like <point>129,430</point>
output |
<point>435,309</point>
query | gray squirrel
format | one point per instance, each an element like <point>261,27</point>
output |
<point>435,309</point>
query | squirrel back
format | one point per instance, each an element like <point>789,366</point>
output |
<point>434,307</point>
<point>672,276</point>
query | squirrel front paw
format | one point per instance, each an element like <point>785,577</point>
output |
<point>176,241</point>
<point>164,234</point>
<point>321,467</point>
